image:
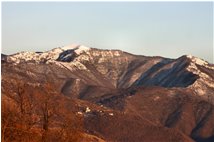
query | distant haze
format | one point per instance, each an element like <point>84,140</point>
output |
<point>168,29</point>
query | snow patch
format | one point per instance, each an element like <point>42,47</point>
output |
<point>78,49</point>
<point>204,79</point>
<point>116,53</point>
<point>68,47</point>
<point>197,60</point>
<point>189,56</point>
<point>82,58</point>
<point>82,49</point>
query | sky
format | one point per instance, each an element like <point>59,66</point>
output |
<point>168,29</point>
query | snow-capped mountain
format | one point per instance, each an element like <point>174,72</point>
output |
<point>118,69</point>
<point>154,96</point>
<point>59,53</point>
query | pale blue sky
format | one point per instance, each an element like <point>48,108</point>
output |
<point>168,29</point>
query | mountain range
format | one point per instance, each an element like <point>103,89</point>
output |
<point>117,96</point>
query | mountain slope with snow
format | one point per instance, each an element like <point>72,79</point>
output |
<point>130,86</point>
<point>119,69</point>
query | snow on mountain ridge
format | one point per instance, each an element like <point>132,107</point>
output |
<point>204,79</point>
<point>197,60</point>
<point>68,47</point>
<point>116,65</point>
<point>78,49</point>
<point>49,56</point>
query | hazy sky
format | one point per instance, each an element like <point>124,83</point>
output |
<point>168,29</point>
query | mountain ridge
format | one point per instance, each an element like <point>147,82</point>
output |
<point>118,88</point>
<point>135,69</point>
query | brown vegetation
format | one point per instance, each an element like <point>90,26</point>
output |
<point>35,115</point>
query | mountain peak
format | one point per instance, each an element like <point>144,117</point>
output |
<point>64,52</point>
<point>78,49</point>
<point>197,60</point>
<point>70,51</point>
<point>71,46</point>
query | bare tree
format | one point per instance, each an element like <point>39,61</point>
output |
<point>39,113</point>
<point>18,113</point>
<point>45,99</point>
